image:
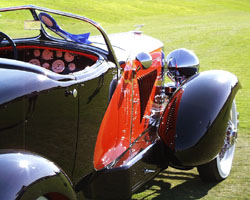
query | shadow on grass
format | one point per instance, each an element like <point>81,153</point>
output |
<point>191,187</point>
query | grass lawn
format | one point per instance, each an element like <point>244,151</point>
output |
<point>218,31</point>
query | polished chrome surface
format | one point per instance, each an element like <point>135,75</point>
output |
<point>182,58</point>
<point>145,59</point>
<point>230,139</point>
<point>182,64</point>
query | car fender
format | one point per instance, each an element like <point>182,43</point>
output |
<point>194,122</point>
<point>25,175</point>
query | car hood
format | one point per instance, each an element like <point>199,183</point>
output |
<point>129,44</point>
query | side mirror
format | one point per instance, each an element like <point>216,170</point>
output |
<point>144,59</point>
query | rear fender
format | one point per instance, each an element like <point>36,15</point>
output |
<point>194,123</point>
<point>24,175</point>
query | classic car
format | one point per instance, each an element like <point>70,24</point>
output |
<point>90,115</point>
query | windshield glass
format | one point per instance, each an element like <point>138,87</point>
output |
<point>21,24</point>
<point>69,28</point>
<point>13,24</point>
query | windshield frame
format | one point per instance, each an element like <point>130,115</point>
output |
<point>111,53</point>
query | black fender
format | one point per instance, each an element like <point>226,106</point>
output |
<point>193,125</point>
<point>25,175</point>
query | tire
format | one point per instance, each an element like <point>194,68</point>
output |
<point>42,198</point>
<point>219,168</point>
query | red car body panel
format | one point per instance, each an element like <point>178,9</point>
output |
<point>122,123</point>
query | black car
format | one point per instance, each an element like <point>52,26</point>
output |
<point>90,115</point>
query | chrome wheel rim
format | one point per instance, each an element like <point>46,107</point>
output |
<point>225,157</point>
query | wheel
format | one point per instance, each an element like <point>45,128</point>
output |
<point>42,198</point>
<point>12,43</point>
<point>219,168</point>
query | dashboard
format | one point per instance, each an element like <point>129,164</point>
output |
<point>57,60</point>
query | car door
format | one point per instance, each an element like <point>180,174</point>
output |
<point>52,124</point>
<point>12,123</point>
<point>93,102</point>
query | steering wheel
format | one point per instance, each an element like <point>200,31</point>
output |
<point>12,43</point>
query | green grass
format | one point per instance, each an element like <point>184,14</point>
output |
<point>218,31</point>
